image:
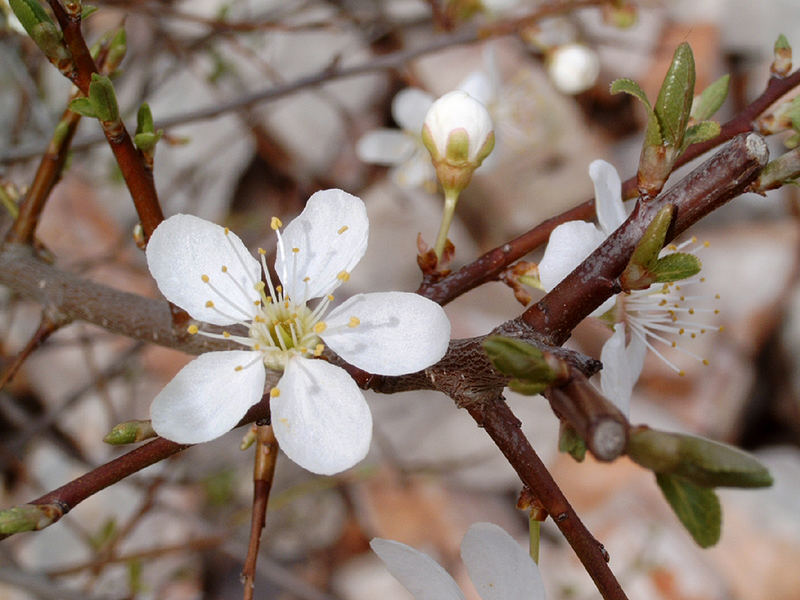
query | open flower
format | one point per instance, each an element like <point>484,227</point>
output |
<point>499,568</point>
<point>319,415</point>
<point>642,316</point>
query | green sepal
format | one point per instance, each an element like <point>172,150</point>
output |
<point>710,99</point>
<point>638,274</point>
<point>28,517</point>
<point>702,461</point>
<point>674,102</point>
<point>700,132</point>
<point>675,266</point>
<point>519,360</point>
<point>457,150</point>
<point>83,107</point>
<point>103,98</point>
<point>30,14</point>
<point>570,442</point>
<point>130,432</point>
<point>696,507</point>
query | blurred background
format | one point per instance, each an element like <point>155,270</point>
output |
<point>258,116</point>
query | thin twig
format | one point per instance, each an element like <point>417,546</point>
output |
<point>46,328</point>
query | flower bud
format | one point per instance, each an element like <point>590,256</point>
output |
<point>459,134</point>
<point>573,68</point>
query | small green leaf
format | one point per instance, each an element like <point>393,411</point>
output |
<point>782,43</point>
<point>676,266</point>
<point>83,107</point>
<point>527,388</point>
<point>709,101</point>
<point>116,50</point>
<point>30,13</point>
<point>146,142</point>
<point>570,442</point>
<point>87,10</point>
<point>674,102</point>
<point>697,508</point>
<point>103,98</point>
<point>519,360</point>
<point>700,132</point>
<point>144,119</point>
<point>629,86</point>
<point>638,274</point>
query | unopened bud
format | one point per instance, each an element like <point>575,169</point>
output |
<point>573,68</point>
<point>459,134</point>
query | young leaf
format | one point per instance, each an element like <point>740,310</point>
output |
<point>629,86</point>
<point>103,98</point>
<point>674,102</point>
<point>709,101</point>
<point>700,132</point>
<point>30,14</point>
<point>675,266</point>
<point>697,508</point>
<point>83,107</point>
<point>519,360</point>
<point>570,442</point>
<point>782,63</point>
<point>638,273</point>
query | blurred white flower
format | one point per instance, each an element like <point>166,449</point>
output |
<point>499,568</point>
<point>648,315</point>
<point>319,415</point>
<point>573,68</point>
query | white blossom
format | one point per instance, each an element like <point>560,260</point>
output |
<point>573,68</point>
<point>499,568</point>
<point>319,415</point>
<point>456,119</point>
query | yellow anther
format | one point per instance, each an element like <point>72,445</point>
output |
<point>702,331</point>
<point>204,278</point>
<point>354,322</point>
<point>192,329</point>
<point>278,289</point>
<point>256,346</point>
<point>262,252</point>
<point>702,280</point>
<point>330,297</point>
<point>694,335</point>
<point>681,331</point>
<point>224,269</point>
<point>716,311</point>
<point>691,311</point>
<point>320,327</point>
<point>303,350</point>
<point>275,223</point>
<point>226,335</point>
<point>274,392</point>
<point>259,286</point>
<point>209,304</point>
<point>694,239</point>
<point>259,319</point>
<point>682,373</point>
<point>672,247</point>
<point>238,368</point>
<point>318,349</point>
<point>306,279</point>
<point>705,362</point>
<point>295,250</point>
<point>721,328</point>
<point>343,276</point>
<point>227,231</point>
<point>342,229</point>
<point>716,296</point>
<point>706,244</point>
<point>674,344</point>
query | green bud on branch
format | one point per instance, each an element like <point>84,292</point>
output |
<point>28,517</point>
<point>782,63</point>
<point>532,370</point>
<point>103,98</point>
<point>130,432</point>
<point>709,101</point>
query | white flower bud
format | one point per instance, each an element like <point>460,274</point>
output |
<point>573,68</point>
<point>459,134</point>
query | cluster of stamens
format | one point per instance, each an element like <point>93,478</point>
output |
<point>278,326</point>
<point>657,312</point>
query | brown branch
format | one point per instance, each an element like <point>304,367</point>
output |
<point>263,473</point>
<point>46,328</point>
<point>489,266</point>
<point>138,177</point>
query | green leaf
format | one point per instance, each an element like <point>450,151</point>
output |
<point>696,507</point>
<point>103,98</point>
<point>709,101</point>
<point>144,119</point>
<point>674,102</point>
<point>638,274</point>
<point>83,107</point>
<point>676,266</point>
<point>570,442</point>
<point>146,142</point>
<point>519,360</point>
<point>629,86</point>
<point>87,10</point>
<point>700,132</point>
<point>782,43</point>
<point>30,14</point>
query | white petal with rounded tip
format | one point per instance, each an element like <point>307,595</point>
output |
<point>607,195</point>
<point>570,243</point>
<point>385,147</point>
<point>418,572</point>
<point>498,566</point>
<point>409,107</point>
<point>320,418</point>
<point>331,236</point>
<point>208,397</point>
<point>185,247</point>
<point>397,333</point>
<point>622,366</point>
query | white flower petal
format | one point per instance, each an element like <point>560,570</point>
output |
<point>498,566</point>
<point>416,171</point>
<point>409,107</point>
<point>320,417</point>
<point>208,397</point>
<point>458,110</point>
<point>385,147</point>
<point>397,332</point>
<point>185,247</point>
<point>330,236</point>
<point>570,243</point>
<point>478,85</point>
<point>622,366</point>
<point>607,196</point>
<point>418,572</point>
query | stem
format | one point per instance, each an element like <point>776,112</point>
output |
<point>534,531</point>
<point>450,201</point>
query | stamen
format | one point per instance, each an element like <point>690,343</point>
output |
<point>192,329</point>
<point>320,326</point>
<point>342,229</point>
<point>343,276</point>
<point>354,322</point>
<point>274,392</point>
